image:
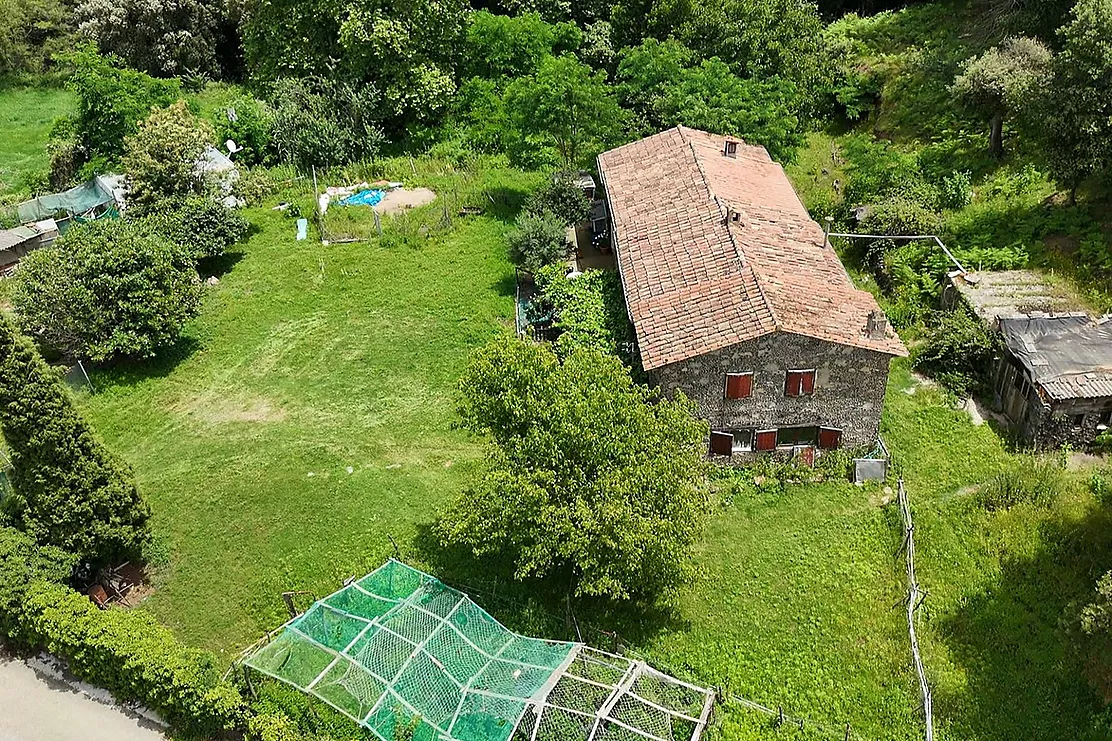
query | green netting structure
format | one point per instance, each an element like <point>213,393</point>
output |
<point>410,658</point>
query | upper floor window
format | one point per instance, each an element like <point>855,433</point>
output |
<point>739,385</point>
<point>799,383</point>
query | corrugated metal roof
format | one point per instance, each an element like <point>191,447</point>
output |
<point>1068,356</point>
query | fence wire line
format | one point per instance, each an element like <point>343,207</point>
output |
<point>915,597</point>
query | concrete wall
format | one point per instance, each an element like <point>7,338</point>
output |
<point>849,386</point>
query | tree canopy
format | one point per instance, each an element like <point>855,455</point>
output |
<point>107,291</point>
<point>73,493</point>
<point>1004,80</point>
<point>1078,115</point>
<point>591,480</point>
<point>567,105</point>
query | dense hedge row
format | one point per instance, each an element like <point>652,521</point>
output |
<point>126,652</point>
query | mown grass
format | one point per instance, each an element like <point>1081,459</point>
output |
<point>305,419</point>
<point>26,114</point>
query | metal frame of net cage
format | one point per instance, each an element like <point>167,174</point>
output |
<point>410,658</point>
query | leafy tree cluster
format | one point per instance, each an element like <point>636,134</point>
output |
<point>592,481</point>
<point>108,290</point>
<point>666,85</point>
<point>70,491</point>
<point>23,562</point>
<point>33,31</point>
<point>202,226</point>
<point>165,38</point>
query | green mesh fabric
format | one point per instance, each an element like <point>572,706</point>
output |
<point>401,653</point>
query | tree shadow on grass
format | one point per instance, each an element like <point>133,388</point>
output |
<point>219,266</point>
<point>505,284</point>
<point>539,607</point>
<point>131,372</point>
<point>1024,676</point>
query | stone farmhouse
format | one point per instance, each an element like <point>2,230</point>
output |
<point>739,301</point>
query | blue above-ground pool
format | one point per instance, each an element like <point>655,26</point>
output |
<point>364,198</point>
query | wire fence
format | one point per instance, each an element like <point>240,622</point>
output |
<point>912,602</point>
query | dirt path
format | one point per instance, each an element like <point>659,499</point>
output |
<point>39,703</point>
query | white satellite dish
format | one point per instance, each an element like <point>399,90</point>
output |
<point>232,147</point>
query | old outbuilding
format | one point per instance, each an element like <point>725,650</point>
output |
<point>739,301</point>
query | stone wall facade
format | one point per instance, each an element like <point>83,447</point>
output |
<point>848,394</point>
<point>1043,423</point>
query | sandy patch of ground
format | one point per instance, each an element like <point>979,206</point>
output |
<point>401,199</point>
<point>1079,461</point>
<point>213,409</point>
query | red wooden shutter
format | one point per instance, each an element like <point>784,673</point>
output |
<point>765,440</point>
<point>721,443</point>
<point>739,385</point>
<point>807,382</point>
<point>793,383</point>
<point>830,438</point>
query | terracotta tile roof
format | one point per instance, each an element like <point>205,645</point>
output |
<point>715,250</point>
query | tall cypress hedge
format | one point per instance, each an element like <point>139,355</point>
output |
<point>75,494</point>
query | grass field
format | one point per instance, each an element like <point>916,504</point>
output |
<point>25,118</point>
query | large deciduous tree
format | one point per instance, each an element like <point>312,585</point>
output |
<point>663,85</point>
<point>72,492</point>
<point>1004,80</point>
<point>1077,137</point>
<point>161,37</point>
<point>108,290</point>
<point>568,105</point>
<point>592,480</point>
<point>111,100</point>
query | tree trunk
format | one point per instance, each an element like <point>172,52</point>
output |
<point>996,136</point>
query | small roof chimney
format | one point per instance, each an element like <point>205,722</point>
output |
<point>876,327</point>
<point>729,149</point>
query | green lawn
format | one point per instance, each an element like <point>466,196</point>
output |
<point>308,417</point>
<point>25,118</point>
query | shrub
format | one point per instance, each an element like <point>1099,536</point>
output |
<point>958,350</point>
<point>955,191</point>
<point>72,492</point>
<point>160,159</point>
<point>202,226</point>
<point>131,655</point>
<point>322,122</point>
<point>561,198</point>
<point>590,311</point>
<point>1037,480</point>
<point>249,122</point>
<point>21,563</point>
<point>537,241</point>
<point>107,290</point>
<point>592,481</point>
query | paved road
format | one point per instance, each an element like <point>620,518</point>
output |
<point>36,705</point>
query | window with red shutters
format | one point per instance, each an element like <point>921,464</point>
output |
<point>739,385</point>
<point>799,383</point>
<point>830,438</point>
<point>765,440</point>
<point>721,443</point>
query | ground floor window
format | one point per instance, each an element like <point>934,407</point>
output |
<point>728,442</point>
<point>793,436</point>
